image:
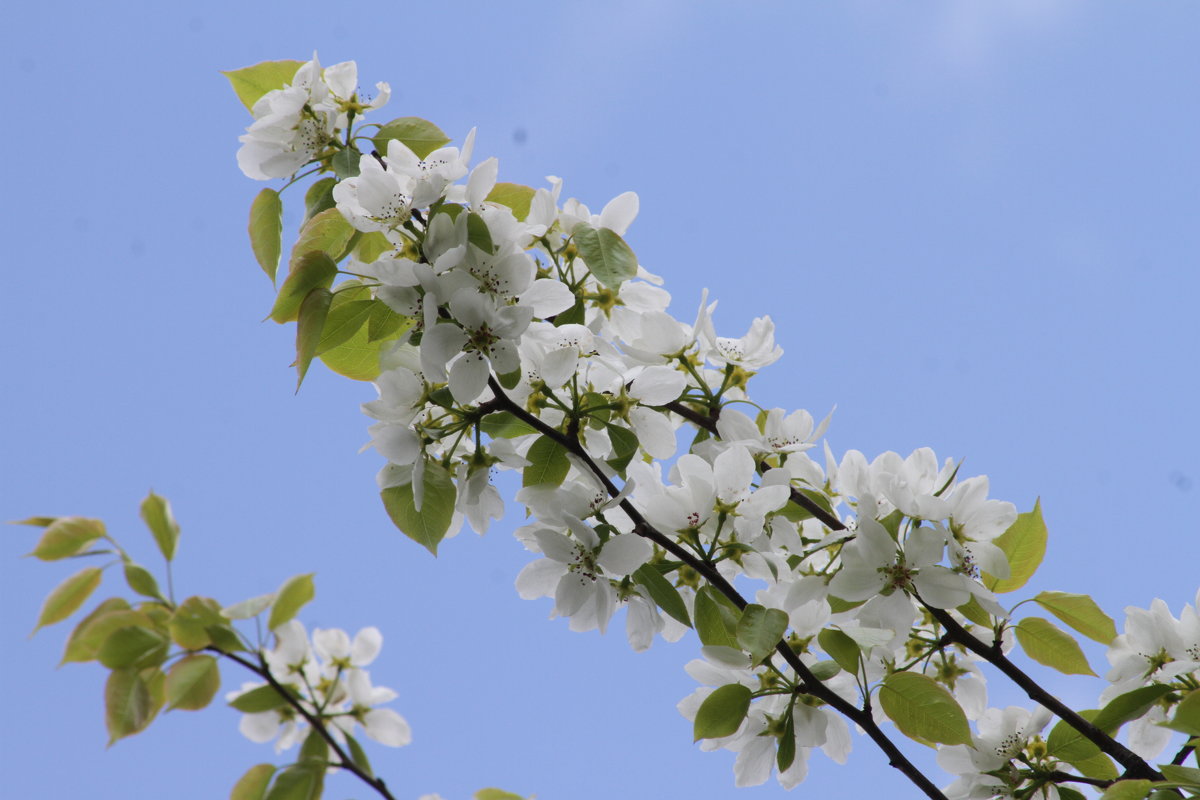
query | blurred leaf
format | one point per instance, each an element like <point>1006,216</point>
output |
<point>156,513</point>
<point>66,536</point>
<point>253,784</point>
<point>421,136</point>
<point>314,749</point>
<point>128,706</point>
<point>190,622</point>
<point>266,230</point>
<point>1181,774</point>
<point>1049,645</point>
<point>662,592</point>
<point>68,596</point>
<point>1025,545</point>
<point>625,444</point>
<point>248,609</point>
<point>515,196</point>
<point>84,642</point>
<point>496,794</point>
<point>192,682</point>
<point>251,83</point>
<point>141,581</point>
<point>135,646</point>
<point>358,755</point>
<point>923,710</point>
<point>291,597</point>
<point>257,700</point>
<point>607,255</point>
<point>297,782</point>
<point>722,712</point>
<point>1081,613</point>
<point>425,526</point>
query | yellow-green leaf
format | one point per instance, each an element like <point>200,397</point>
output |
<point>1081,613</point>
<point>290,598</point>
<point>1047,644</point>
<point>310,323</point>
<point>141,581</point>
<point>841,648</point>
<point>1025,545</point>
<point>128,704</point>
<point>192,682</point>
<point>515,196</point>
<point>156,513</point>
<point>344,320</point>
<point>548,463</point>
<point>266,230</point>
<point>84,642</point>
<point>496,794</point>
<point>607,255</point>
<point>722,712</point>
<point>68,596</point>
<point>136,646</point>
<point>251,83</point>
<point>420,135</point>
<point>427,525</point>
<point>253,784</point>
<point>1187,715</point>
<point>923,710</point>
<point>67,536</point>
<point>314,270</point>
<point>1127,790</point>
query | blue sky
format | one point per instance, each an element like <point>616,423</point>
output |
<point>975,225</point>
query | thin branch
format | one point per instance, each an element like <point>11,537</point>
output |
<point>1182,755</point>
<point>345,762</point>
<point>1058,776</point>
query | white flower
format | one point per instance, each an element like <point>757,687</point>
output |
<point>1003,735</point>
<point>873,564</point>
<point>755,350</point>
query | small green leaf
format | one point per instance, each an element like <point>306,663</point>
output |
<point>67,536</point>
<point>1066,793</point>
<point>291,597</point>
<point>83,643</point>
<point>344,320</point>
<point>496,794</point>
<point>1081,613</point>
<point>371,246</point>
<point>841,648</point>
<point>253,784</point>
<point>478,233</point>
<point>1067,744</point>
<point>251,83</point>
<point>1049,645</point>
<point>923,710</point>
<point>37,522</point>
<point>824,670</point>
<point>1180,774</point>
<point>345,163</point>
<point>975,612</point>
<point>722,712</point>
<point>716,623</point>
<point>548,463</point>
<point>1097,766</point>
<point>504,425</point>
<point>1187,715</point>
<point>192,682</point>
<point>662,592</point>
<point>68,596</point>
<point>1127,790</point>
<point>314,749</point>
<point>297,782</point>
<point>257,700</point>
<point>357,356</point>
<point>141,581</point>
<point>319,197</point>
<point>135,646</point>
<point>625,444</point>
<point>427,525</point>
<point>247,609</point>
<point>787,743</point>
<point>358,755</point>
<point>156,513</point>
<point>189,625</point>
<point>1129,706</point>
<point>1025,545</point>
<point>310,324</point>
<point>327,232</point>
<point>315,270</point>
<point>266,230</point>
<point>515,196</point>
<point>421,136</point>
<point>128,705</point>
<point>760,629</point>
<point>607,256</point>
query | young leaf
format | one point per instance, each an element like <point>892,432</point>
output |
<point>722,712</point>
<point>327,232</point>
<point>425,526</point>
<point>357,357</point>
<point>134,646</point>
<point>319,197</point>
<point>1127,790</point>
<point>607,256</point>
<point>358,755</point>
<point>759,629</point>
<point>67,536</point>
<point>515,196</point>
<point>192,682</point>
<point>478,233</point>
<point>128,705</point>
<point>141,581</point>
<point>1187,715</point>
<point>345,318</point>
<point>314,749</point>
<point>266,230</point>
<point>1129,706</point>
<point>716,623</point>
<point>310,324</point>
<point>787,743</point>
<point>662,592</point>
<point>421,136</point>
<point>923,710</point>
<point>248,609</point>
<point>625,445</point>
<point>548,463</point>
<point>1025,545</point>
<point>1049,645</point>
<point>68,596</point>
<point>1067,744</point>
<point>85,640</point>
<point>190,624</point>
<point>504,425</point>
<point>253,784</point>
<point>290,598</point>
<point>297,782</point>
<point>496,794</point>
<point>345,163</point>
<point>312,271</point>
<point>156,513</point>
<point>841,648</point>
<point>1180,774</point>
<point>1081,613</point>
<point>251,83</point>
<point>371,246</point>
<point>259,699</point>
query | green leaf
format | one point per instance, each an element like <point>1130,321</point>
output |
<point>189,625</point>
<point>310,323</point>
<point>421,136</point>
<point>1097,766</point>
<point>291,597</point>
<point>1049,645</point>
<point>1025,545</point>
<point>496,794</point>
<point>371,246</point>
<point>128,705</point>
<point>344,320</point>
<point>314,749</point>
<point>247,609</point>
<point>759,629</point>
<point>358,755</point>
<point>297,782</point>
<point>1180,774</point>
<point>251,83</point>
<point>548,463</point>
<point>975,612</point>
<point>88,634</point>
<point>662,592</point>
<point>156,513</point>
<point>1067,744</point>
<point>192,682</point>
<point>1129,706</point>
<point>427,525</point>
<point>266,230</point>
<point>262,698</point>
<point>326,232</point>
<point>505,425</point>
<point>625,444</point>
<point>253,784</point>
<point>319,197</point>
<point>1081,613</point>
<point>1066,793</point>
<point>722,712</point>
<point>37,522</point>
<point>1187,715</point>
<point>135,646</point>
<point>141,581</point>
<point>315,270</point>
<point>67,536</point>
<point>607,256</point>
<point>1127,790</point>
<point>716,623</point>
<point>478,233</point>
<point>357,356</point>
<point>841,648</point>
<point>824,670</point>
<point>923,710</point>
<point>515,196</point>
<point>345,163</point>
<point>787,743</point>
<point>68,596</point>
